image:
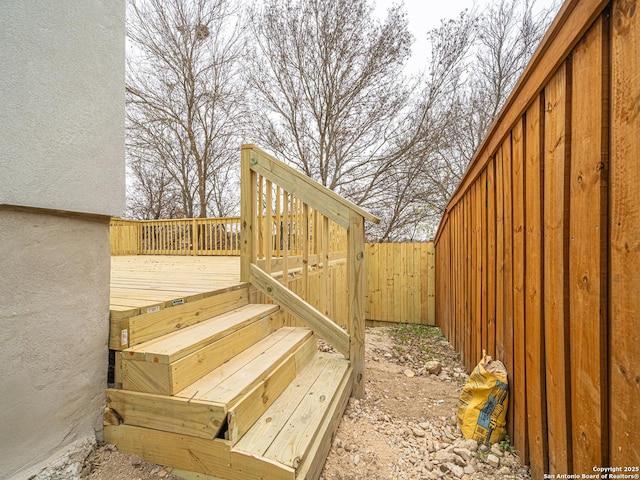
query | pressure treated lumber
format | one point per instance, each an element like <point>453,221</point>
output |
<point>208,456</point>
<point>174,364</point>
<point>291,302</point>
<point>152,325</point>
<point>294,440</point>
<point>245,379</point>
<point>243,414</point>
<point>130,327</point>
<point>290,441</point>
<point>178,344</point>
<point>356,295</point>
<point>171,414</point>
<point>313,194</point>
<point>288,430</point>
<point>270,423</point>
<point>313,463</point>
<point>239,375</point>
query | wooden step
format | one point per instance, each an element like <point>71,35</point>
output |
<point>296,430</point>
<point>170,363</point>
<point>251,404</point>
<point>161,412</point>
<point>132,327</point>
<point>211,457</point>
<point>290,440</point>
<point>233,380</point>
<point>234,394</point>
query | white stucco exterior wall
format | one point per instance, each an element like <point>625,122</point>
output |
<point>62,105</point>
<point>61,178</point>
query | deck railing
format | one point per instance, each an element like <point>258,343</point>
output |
<point>294,232</point>
<point>183,236</point>
<point>538,254</point>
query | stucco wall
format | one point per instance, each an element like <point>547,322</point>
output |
<point>53,335</point>
<point>62,104</point>
<point>61,177</point>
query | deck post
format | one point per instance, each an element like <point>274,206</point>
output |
<point>194,237</point>
<point>356,289</point>
<point>247,212</point>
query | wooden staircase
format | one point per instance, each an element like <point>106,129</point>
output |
<point>233,395</point>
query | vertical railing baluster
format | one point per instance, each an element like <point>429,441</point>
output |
<point>326,289</point>
<point>269,227</point>
<point>260,220</point>
<point>278,223</point>
<point>286,236</point>
<point>305,251</point>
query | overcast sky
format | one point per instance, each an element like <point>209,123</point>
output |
<point>425,15</point>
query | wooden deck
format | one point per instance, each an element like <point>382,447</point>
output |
<point>209,383</point>
<point>144,284</point>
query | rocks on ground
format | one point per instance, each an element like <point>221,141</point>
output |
<point>405,427</point>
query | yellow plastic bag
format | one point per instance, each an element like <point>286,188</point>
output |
<point>482,408</point>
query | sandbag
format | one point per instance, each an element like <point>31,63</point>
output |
<point>482,408</point>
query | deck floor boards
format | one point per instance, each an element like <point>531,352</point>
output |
<point>139,282</point>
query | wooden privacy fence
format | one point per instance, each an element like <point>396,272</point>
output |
<point>124,236</point>
<point>401,282</point>
<point>538,254</point>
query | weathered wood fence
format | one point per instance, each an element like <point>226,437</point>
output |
<point>538,254</point>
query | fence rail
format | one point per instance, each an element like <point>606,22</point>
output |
<point>537,255</point>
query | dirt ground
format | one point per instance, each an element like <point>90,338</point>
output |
<point>404,428</point>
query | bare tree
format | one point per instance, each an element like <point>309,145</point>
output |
<point>509,31</point>
<point>430,174</point>
<point>475,62</point>
<point>329,85</point>
<point>329,97</point>
<point>152,193</point>
<point>185,103</point>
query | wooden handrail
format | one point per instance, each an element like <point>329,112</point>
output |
<point>297,306</point>
<point>312,193</point>
<point>261,174</point>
